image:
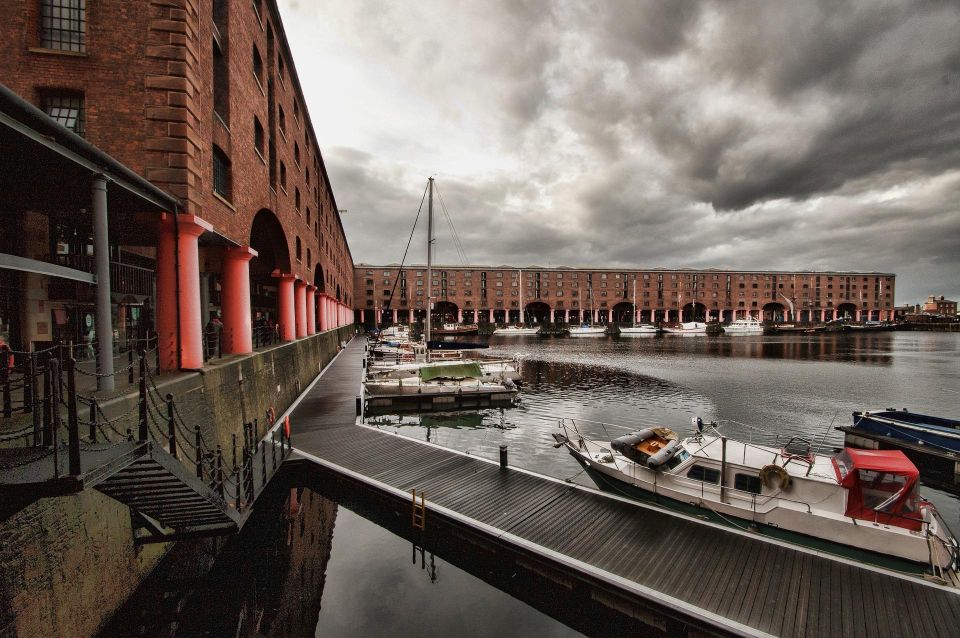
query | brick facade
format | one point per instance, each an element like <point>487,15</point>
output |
<point>660,293</point>
<point>147,79</point>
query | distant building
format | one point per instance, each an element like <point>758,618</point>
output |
<point>499,294</point>
<point>940,306</point>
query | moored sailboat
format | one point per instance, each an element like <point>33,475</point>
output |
<point>634,330</point>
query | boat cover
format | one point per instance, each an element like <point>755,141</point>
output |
<point>882,486</point>
<point>451,371</point>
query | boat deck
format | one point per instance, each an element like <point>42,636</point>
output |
<point>724,580</point>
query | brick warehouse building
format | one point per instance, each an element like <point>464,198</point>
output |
<point>203,100</point>
<point>601,295</point>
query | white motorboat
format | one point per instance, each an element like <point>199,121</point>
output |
<point>455,378</point>
<point>687,328</point>
<point>516,331</point>
<point>643,330</point>
<point>493,370</point>
<point>395,333</point>
<point>587,330</point>
<point>744,327</point>
<point>866,499</point>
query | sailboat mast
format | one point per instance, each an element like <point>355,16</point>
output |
<point>429,263</point>
<point>521,297</point>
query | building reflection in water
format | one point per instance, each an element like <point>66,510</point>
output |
<point>266,581</point>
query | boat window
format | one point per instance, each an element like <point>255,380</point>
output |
<point>880,489</point>
<point>677,459</point>
<point>747,483</point>
<point>705,474</point>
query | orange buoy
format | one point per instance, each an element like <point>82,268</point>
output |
<point>286,426</point>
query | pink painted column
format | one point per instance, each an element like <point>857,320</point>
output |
<point>395,316</point>
<point>311,310</point>
<point>322,311</point>
<point>491,315</point>
<point>859,314</point>
<point>567,315</point>
<point>363,316</point>
<point>179,242</point>
<point>286,306</point>
<point>235,300</point>
<point>300,299</point>
<point>459,316</point>
<point>410,316</point>
<point>834,314</point>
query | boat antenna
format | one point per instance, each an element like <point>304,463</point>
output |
<point>426,339</point>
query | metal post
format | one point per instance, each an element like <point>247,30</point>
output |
<point>73,421</point>
<point>503,457</point>
<point>144,430</point>
<point>29,388</point>
<point>263,464</point>
<point>199,453</point>
<point>55,399</point>
<point>273,449</point>
<point>233,439</point>
<point>171,426</point>
<point>5,374</point>
<point>426,338</point>
<point>130,366</point>
<point>46,434</point>
<point>219,471</point>
<point>93,419</point>
<point>101,251</point>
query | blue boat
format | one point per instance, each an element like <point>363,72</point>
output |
<point>940,434</point>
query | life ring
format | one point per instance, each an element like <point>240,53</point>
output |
<point>271,416</point>
<point>771,473</point>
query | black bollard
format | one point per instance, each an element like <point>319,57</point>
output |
<point>503,457</point>
<point>359,404</point>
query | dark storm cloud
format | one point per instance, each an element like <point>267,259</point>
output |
<point>756,135</point>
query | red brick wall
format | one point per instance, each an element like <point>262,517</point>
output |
<point>147,77</point>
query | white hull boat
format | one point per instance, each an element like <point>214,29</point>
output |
<point>516,331</point>
<point>643,330</point>
<point>744,327</point>
<point>865,499</point>
<point>493,370</point>
<point>588,331</point>
<point>687,328</point>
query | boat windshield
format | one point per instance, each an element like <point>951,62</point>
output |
<point>677,459</point>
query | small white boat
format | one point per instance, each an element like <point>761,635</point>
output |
<point>494,370</point>
<point>395,333</point>
<point>865,499</point>
<point>586,330</point>
<point>643,330</point>
<point>458,378</point>
<point>687,328</point>
<point>744,327</point>
<point>516,331</point>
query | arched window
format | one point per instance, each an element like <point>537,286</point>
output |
<point>299,249</point>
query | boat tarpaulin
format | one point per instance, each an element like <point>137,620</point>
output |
<point>881,486</point>
<point>451,371</point>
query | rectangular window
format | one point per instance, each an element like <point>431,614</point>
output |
<point>221,85</point>
<point>63,25</point>
<point>221,174</point>
<point>747,483</point>
<point>705,474</point>
<point>67,109</point>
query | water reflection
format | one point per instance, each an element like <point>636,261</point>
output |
<point>304,566</point>
<point>266,581</point>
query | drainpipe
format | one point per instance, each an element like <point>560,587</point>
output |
<point>101,250</point>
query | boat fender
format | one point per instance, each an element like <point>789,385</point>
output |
<point>508,383</point>
<point>663,455</point>
<point>771,473</point>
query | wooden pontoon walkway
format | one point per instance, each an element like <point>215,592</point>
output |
<point>709,576</point>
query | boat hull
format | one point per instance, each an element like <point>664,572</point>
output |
<point>827,528</point>
<point>588,332</point>
<point>941,434</point>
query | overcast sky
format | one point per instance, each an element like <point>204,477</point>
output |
<point>754,135</point>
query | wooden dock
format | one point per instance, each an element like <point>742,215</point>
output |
<point>704,576</point>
